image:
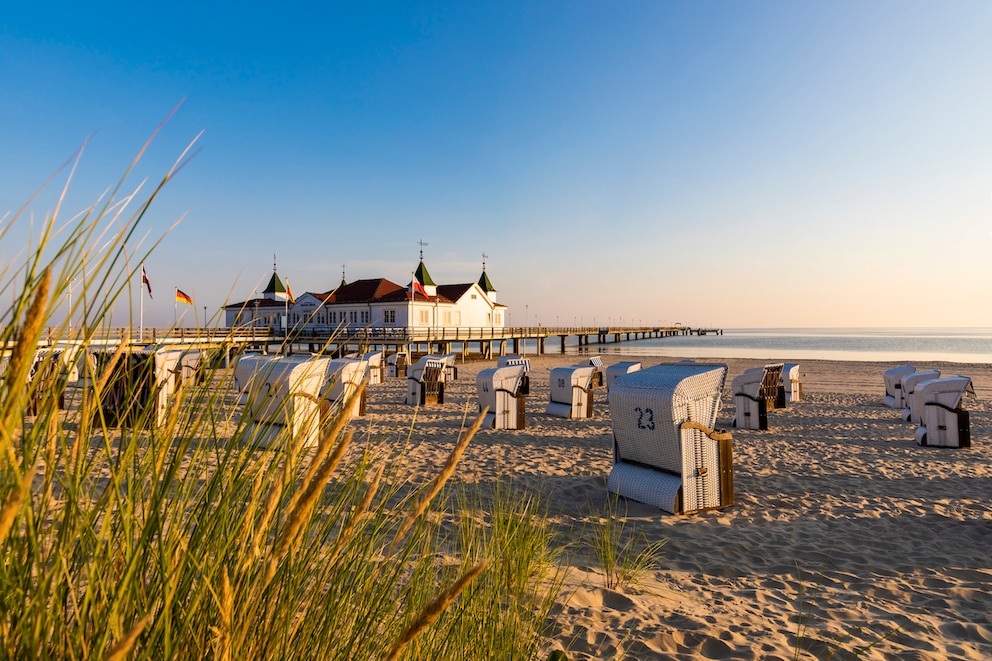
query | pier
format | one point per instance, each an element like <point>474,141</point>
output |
<point>485,343</point>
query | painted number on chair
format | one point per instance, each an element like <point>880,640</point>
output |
<point>645,418</point>
<point>561,383</point>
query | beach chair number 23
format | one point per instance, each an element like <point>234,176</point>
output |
<point>645,418</point>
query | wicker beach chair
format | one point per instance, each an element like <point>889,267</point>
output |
<point>377,368</point>
<point>894,397</point>
<point>791,382</point>
<point>396,364</point>
<point>508,361</point>
<point>425,382</point>
<point>598,377</point>
<point>912,406</point>
<point>618,369</point>
<point>665,450</point>
<point>139,387</point>
<point>282,399</point>
<point>499,389</point>
<point>46,379</point>
<point>571,392</point>
<point>757,391</point>
<point>450,367</point>
<point>344,379</point>
<point>944,422</point>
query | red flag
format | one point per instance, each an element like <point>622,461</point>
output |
<point>144,281</point>
<point>417,287</point>
<point>289,293</point>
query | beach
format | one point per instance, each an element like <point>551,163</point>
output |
<point>843,530</point>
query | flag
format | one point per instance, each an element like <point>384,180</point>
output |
<point>182,297</point>
<point>144,281</point>
<point>417,287</point>
<point>289,293</point>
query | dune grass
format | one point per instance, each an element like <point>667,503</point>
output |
<point>184,540</point>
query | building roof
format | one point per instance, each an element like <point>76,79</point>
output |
<point>423,276</point>
<point>275,285</point>
<point>484,282</point>
<point>374,290</point>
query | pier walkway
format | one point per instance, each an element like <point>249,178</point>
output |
<point>483,342</point>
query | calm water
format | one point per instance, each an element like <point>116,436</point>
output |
<point>959,345</point>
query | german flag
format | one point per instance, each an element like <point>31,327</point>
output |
<point>183,297</point>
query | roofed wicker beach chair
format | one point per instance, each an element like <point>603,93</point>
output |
<point>425,382</point>
<point>344,379</point>
<point>282,399</point>
<point>791,382</point>
<point>598,378</point>
<point>894,398</point>
<point>46,378</point>
<point>617,369</point>
<point>499,390</point>
<point>396,364</point>
<point>507,361</point>
<point>665,450</point>
<point>450,367</point>
<point>912,407</point>
<point>944,422</point>
<point>139,387</point>
<point>757,391</point>
<point>571,392</point>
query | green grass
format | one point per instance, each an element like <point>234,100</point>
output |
<point>184,541</point>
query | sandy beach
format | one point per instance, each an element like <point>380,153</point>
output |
<point>843,527</point>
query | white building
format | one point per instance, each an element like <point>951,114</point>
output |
<point>374,303</point>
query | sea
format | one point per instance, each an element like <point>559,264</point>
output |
<point>954,345</point>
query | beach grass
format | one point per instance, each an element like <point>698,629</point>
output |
<point>177,537</point>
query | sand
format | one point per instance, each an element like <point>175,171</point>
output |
<point>843,527</point>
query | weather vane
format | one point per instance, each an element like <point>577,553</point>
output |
<point>421,243</point>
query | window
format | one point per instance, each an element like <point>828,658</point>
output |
<point>425,317</point>
<point>353,316</point>
<point>389,316</point>
<point>446,316</point>
<point>365,316</point>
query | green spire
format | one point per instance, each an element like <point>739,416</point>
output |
<point>275,286</point>
<point>423,276</point>
<point>485,283</point>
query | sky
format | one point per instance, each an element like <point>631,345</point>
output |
<point>715,164</point>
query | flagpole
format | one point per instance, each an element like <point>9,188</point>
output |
<point>175,309</point>
<point>141,305</point>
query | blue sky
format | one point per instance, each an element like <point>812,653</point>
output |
<point>711,163</point>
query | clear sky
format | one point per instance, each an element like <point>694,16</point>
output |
<point>721,164</point>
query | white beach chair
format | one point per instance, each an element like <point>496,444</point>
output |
<point>791,382</point>
<point>499,390</point>
<point>140,387</point>
<point>508,361</point>
<point>598,376</point>
<point>944,422</point>
<point>665,450</point>
<point>376,367</point>
<point>894,398</point>
<point>450,368</point>
<point>755,392</point>
<point>912,407</point>
<point>47,377</point>
<point>425,382</point>
<point>396,364</point>
<point>282,399</point>
<point>344,378</point>
<point>571,392</point>
<point>617,369</point>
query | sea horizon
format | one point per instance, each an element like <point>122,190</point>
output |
<point>877,344</point>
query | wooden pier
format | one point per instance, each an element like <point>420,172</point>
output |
<point>485,343</point>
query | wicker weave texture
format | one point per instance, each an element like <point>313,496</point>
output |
<point>647,407</point>
<point>646,486</point>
